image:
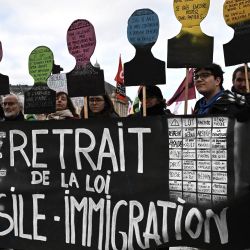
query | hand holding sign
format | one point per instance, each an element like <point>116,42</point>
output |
<point>40,99</point>
<point>4,80</point>
<point>143,69</point>
<point>237,16</point>
<point>191,48</point>
<point>84,79</point>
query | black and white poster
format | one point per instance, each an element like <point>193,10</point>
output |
<point>124,183</point>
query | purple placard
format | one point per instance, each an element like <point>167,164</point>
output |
<point>81,41</point>
<point>84,79</point>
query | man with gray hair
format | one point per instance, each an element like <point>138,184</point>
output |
<point>12,108</point>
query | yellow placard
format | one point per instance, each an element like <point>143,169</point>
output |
<point>237,12</point>
<point>191,12</point>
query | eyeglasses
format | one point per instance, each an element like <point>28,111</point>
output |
<point>95,99</point>
<point>9,103</point>
<point>202,76</point>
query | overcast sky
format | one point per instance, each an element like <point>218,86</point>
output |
<point>26,24</point>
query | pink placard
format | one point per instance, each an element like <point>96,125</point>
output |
<point>81,41</point>
<point>1,51</point>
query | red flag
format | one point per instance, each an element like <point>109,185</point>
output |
<point>179,95</point>
<point>119,78</point>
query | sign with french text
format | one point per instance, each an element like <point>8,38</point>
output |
<point>191,43</point>
<point>84,79</point>
<point>237,16</point>
<point>125,183</point>
<point>142,33</point>
<point>40,98</point>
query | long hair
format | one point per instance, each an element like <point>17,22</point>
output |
<point>70,104</point>
<point>108,110</point>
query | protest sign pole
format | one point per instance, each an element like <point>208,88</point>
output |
<point>85,106</point>
<point>144,101</point>
<point>246,75</point>
<point>186,92</point>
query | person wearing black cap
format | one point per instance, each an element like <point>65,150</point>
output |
<point>155,103</point>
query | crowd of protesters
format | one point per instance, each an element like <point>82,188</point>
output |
<point>208,81</point>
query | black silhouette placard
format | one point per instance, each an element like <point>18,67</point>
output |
<point>237,16</point>
<point>40,99</point>
<point>144,68</point>
<point>4,80</point>
<point>84,79</point>
<point>191,47</point>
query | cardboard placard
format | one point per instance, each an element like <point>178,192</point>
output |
<point>4,85</point>
<point>4,80</point>
<point>58,82</point>
<point>84,79</point>
<point>40,99</point>
<point>112,184</point>
<point>237,16</point>
<point>191,48</point>
<point>144,68</point>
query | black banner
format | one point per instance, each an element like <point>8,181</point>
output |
<point>124,183</point>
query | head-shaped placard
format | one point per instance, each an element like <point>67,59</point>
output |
<point>1,52</point>
<point>144,68</point>
<point>41,64</point>
<point>190,13</point>
<point>40,98</point>
<point>237,16</point>
<point>81,41</point>
<point>143,28</point>
<point>191,48</point>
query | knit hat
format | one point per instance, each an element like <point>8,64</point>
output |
<point>151,91</point>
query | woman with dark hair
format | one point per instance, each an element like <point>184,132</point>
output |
<point>100,106</point>
<point>64,108</point>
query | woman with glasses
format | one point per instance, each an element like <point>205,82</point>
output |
<point>100,106</point>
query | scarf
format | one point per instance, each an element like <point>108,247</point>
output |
<point>158,109</point>
<point>205,106</point>
<point>60,115</point>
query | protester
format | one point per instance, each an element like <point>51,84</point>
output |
<point>239,80</point>
<point>155,103</point>
<point>12,108</point>
<point>1,114</point>
<point>64,108</point>
<point>100,106</point>
<point>209,83</point>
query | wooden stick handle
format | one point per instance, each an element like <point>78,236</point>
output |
<point>144,101</point>
<point>246,75</point>
<point>86,115</point>
<point>186,92</point>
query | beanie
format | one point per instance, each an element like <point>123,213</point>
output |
<point>151,91</point>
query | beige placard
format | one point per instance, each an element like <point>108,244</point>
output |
<point>191,12</point>
<point>236,12</point>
